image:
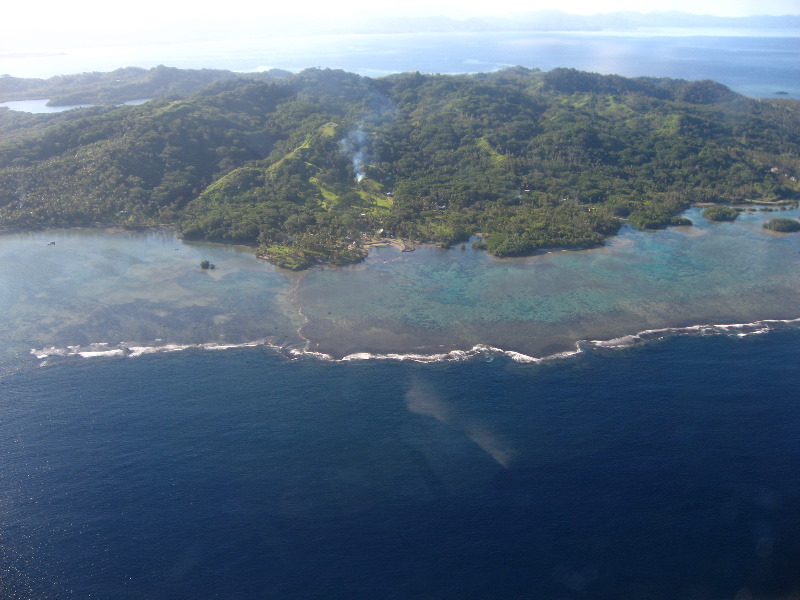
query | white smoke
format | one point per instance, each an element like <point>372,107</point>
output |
<point>377,110</point>
<point>356,145</point>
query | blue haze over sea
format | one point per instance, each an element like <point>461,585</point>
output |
<point>163,435</point>
<point>751,62</point>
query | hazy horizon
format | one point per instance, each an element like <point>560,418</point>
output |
<point>49,25</point>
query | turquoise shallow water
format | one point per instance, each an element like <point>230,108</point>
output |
<point>145,290</point>
<point>433,300</point>
<point>136,288</point>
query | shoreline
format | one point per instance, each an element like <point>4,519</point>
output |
<point>107,227</point>
<point>399,243</point>
<point>349,333</point>
<point>403,245</point>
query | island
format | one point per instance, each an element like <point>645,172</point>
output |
<point>720,213</point>
<point>315,167</point>
<point>783,224</point>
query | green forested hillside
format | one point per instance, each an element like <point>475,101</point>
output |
<point>122,85</point>
<point>313,165</point>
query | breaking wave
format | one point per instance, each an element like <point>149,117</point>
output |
<point>479,351</point>
<point>123,350</point>
<point>734,329</point>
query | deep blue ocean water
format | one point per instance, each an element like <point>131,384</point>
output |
<point>669,470</point>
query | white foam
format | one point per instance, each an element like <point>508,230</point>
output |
<point>737,329</point>
<point>294,352</point>
<point>451,356</point>
<point>130,350</point>
<point>96,354</point>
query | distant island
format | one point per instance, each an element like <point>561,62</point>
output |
<point>315,167</point>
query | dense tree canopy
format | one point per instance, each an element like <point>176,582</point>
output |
<point>311,166</point>
<point>783,224</point>
<point>721,213</point>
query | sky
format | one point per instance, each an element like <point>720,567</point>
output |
<point>80,13</point>
<point>26,26</point>
<point>586,7</point>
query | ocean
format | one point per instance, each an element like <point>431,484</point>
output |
<point>754,62</point>
<point>169,432</point>
<point>619,422</point>
<point>667,471</point>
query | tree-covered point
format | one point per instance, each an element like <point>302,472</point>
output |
<point>720,213</point>
<point>314,166</point>
<point>122,85</point>
<point>783,224</point>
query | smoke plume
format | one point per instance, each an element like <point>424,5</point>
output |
<point>356,146</point>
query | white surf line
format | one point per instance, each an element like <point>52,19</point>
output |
<point>130,350</point>
<point>739,329</point>
<point>626,341</point>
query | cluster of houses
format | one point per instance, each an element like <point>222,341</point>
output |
<point>791,178</point>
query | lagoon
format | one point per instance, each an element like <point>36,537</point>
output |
<point>37,106</point>
<point>132,290</point>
